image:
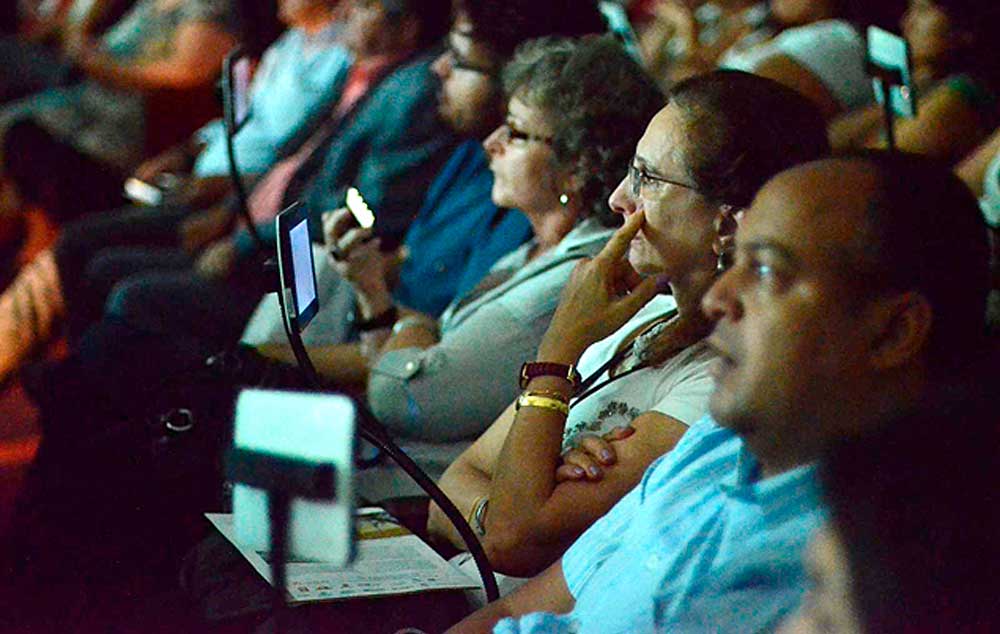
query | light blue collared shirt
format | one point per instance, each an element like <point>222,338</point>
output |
<point>298,75</point>
<point>701,545</point>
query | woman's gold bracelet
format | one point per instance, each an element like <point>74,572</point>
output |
<point>535,399</point>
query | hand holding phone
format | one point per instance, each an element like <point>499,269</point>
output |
<point>354,253</point>
<point>359,209</point>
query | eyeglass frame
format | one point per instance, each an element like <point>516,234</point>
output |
<point>635,184</point>
<point>511,132</point>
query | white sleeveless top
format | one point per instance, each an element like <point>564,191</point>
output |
<point>678,388</point>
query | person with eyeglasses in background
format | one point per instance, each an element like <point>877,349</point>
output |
<point>458,233</point>
<point>623,369</point>
<point>455,239</point>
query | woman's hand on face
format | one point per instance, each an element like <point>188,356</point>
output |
<point>603,293</point>
<point>587,460</point>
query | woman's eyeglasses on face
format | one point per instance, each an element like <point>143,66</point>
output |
<point>640,180</point>
<point>508,132</point>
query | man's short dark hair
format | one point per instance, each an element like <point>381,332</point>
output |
<point>925,233</point>
<point>504,24</point>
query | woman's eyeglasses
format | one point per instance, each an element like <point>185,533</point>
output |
<point>508,132</point>
<point>641,180</point>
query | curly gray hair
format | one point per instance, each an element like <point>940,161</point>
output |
<point>597,100</point>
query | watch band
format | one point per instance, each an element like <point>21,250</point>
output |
<point>385,319</point>
<point>534,369</point>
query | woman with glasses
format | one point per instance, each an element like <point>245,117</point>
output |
<point>621,371</point>
<point>440,382</point>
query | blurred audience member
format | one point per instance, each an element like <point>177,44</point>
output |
<point>822,51</point>
<point>911,545</point>
<point>685,38</point>
<point>857,283</point>
<point>89,134</point>
<point>956,76</point>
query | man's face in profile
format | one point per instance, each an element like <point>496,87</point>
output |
<point>469,100</point>
<point>789,329</point>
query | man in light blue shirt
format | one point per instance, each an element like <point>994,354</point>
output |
<point>299,74</point>
<point>857,281</point>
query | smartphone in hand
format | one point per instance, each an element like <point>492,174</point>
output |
<point>143,193</point>
<point>359,209</point>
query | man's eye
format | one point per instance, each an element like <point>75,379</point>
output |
<point>762,270</point>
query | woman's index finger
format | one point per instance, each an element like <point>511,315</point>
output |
<point>617,245</point>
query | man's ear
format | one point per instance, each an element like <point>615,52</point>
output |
<point>726,222</point>
<point>902,328</point>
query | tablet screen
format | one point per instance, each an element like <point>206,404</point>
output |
<point>302,266</point>
<point>241,91</point>
<point>295,266</point>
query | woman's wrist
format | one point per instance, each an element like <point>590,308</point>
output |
<point>559,350</point>
<point>373,302</point>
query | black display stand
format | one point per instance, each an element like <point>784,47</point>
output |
<point>284,480</point>
<point>371,430</point>
<point>232,126</point>
<point>887,79</point>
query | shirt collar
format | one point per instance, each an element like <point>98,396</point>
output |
<point>772,493</point>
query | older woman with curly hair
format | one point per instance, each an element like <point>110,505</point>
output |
<point>575,109</point>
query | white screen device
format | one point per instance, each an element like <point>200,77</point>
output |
<point>889,51</point>
<point>241,90</point>
<point>142,192</point>
<point>236,74</point>
<point>314,428</point>
<point>302,264</point>
<point>359,208</point>
<point>295,265</point>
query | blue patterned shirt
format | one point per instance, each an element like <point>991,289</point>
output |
<point>701,545</point>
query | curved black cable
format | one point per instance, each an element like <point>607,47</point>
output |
<point>231,128</point>
<point>371,430</point>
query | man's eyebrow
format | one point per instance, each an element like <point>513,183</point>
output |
<point>772,248</point>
